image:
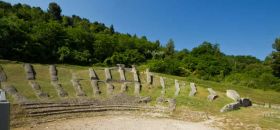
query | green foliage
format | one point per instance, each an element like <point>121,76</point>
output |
<point>168,66</point>
<point>170,47</point>
<point>206,48</point>
<point>29,34</point>
<point>275,64</point>
<point>129,57</point>
<point>55,11</point>
<point>255,76</point>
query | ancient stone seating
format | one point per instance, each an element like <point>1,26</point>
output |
<point>193,89</point>
<point>30,73</point>
<point>76,84</point>
<point>54,82</point>
<point>238,102</point>
<point>177,88</point>
<point>11,90</point>
<point>3,77</point>
<point>212,94</point>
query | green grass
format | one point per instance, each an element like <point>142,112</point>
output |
<point>16,76</point>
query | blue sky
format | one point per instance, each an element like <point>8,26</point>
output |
<point>241,27</point>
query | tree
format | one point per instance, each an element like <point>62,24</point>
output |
<point>170,47</point>
<point>206,48</point>
<point>54,10</point>
<point>275,63</point>
<point>112,30</point>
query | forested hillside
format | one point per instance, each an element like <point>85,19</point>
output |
<point>31,34</point>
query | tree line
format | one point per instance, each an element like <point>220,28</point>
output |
<point>30,34</point>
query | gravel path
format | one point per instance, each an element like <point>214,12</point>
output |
<point>119,123</point>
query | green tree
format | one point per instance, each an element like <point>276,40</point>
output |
<point>54,10</point>
<point>170,47</point>
<point>275,64</point>
<point>49,36</point>
<point>206,48</point>
<point>129,57</point>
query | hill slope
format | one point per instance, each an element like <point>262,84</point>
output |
<point>185,104</point>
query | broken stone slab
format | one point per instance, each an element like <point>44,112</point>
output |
<point>3,76</point>
<point>53,70</point>
<point>74,77</point>
<point>121,71</point>
<point>110,89</point>
<point>213,95</point>
<point>53,73</point>
<point>177,87</point>
<point>2,96</point>
<point>231,107</point>
<point>145,99</point>
<point>11,90</point>
<point>232,94</point>
<point>76,84</point>
<point>245,102</point>
<point>160,100</point>
<point>137,88</point>
<point>95,87</point>
<point>92,74</point>
<point>172,103</point>
<point>193,89</point>
<point>162,83</point>
<point>36,87</point>
<point>124,87</point>
<point>108,74</point>
<point>30,73</point>
<point>149,77</point>
<point>60,91</point>
<point>135,74</point>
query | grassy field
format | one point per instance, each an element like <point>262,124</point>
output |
<point>16,76</point>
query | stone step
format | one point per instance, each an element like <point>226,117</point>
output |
<point>50,109</point>
<point>78,108</point>
<point>96,110</point>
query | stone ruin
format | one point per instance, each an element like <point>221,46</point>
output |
<point>31,76</point>
<point>238,101</point>
<point>149,76</point>
<point>193,89</point>
<point>54,81</point>
<point>11,90</point>
<point>30,73</point>
<point>108,74</point>
<point>110,90</point>
<point>177,87</point>
<point>212,94</point>
<point>162,83</point>
<point>121,71</point>
<point>76,84</point>
<point>94,81</point>
<point>3,77</point>
<point>232,94</point>
<point>124,87</point>
<point>135,74</point>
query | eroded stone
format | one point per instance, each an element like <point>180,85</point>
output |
<point>232,94</point>
<point>177,87</point>
<point>193,89</point>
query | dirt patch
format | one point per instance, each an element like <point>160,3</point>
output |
<point>120,123</point>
